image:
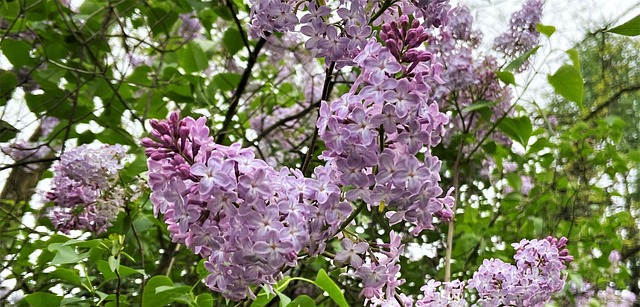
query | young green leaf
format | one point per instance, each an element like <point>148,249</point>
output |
<point>546,30</point>
<point>42,299</point>
<point>302,301</point>
<point>629,28</point>
<point>518,129</point>
<point>515,64</point>
<point>328,285</point>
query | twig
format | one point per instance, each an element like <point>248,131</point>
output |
<point>326,90</point>
<point>235,99</point>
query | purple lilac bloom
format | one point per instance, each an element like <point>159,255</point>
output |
<point>190,28</point>
<point>85,190</point>
<point>534,278</point>
<point>373,135</point>
<point>262,217</point>
<point>522,34</point>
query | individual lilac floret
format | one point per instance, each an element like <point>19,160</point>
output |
<point>85,189</point>
<point>522,34</point>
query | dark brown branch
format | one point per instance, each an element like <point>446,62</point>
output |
<point>243,35</point>
<point>326,90</point>
<point>242,85</point>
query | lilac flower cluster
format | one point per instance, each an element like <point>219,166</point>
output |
<point>24,151</point>
<point>450,294</point>
<point>269,16</point>
<point>586,295</point>
<point>522,34</point>
<point>374,132</point>
<point>468,79</point>
<point>337,42</point>
<point>378,272</point>
<point>247,219</point>
<point>190,28</point>
<point>85,190</point>
<point>532,281</point>
<point>340,33</point>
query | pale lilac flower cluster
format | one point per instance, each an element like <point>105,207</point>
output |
<point>248,220</point>
<point>374,132</point>
<point>341,41</point>
<point>378,272</point>
<point>190,28</point>
<point>532,281</point>
<point>450,294</point>
<point>522,34</point>
<point>468,79</point>
<point>535,277</point>
<point>25,151</point>
<point>269,16</point>
<point>85,188</point>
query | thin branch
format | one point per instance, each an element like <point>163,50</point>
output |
<point>243,35</point>
<point>611,100</point>
<point>242,85</point>
<point>326,90</point>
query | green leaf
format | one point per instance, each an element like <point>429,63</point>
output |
<point>284,300</point>
<point>629,28</point>
<point>73,301</point>
<point>225,81</point>
<point>328,285</point>
<point>302,301</point>
<point>105,268</point>
<point>7,131</point>
<point>172,289</point>
<point>68,275</point>
<point>115,135</point>
<point>506,77</point>
<point>16,51</point>
<point>192,58</point>
<point>518,129</point>
<point>515,64</point>
<point>8,83</point>
<point>232,41</point>
<point>546,30</point>
<point>83,243</point>
<point>113,263</point>
<point>65,254</point>
<point>204,300</point>
<point>567,81</point>
<point>42,299</point>
<point>152,299</point>
<point>480,104</point>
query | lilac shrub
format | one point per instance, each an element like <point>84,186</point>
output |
<point>86,193</point>
<point>251,222</point>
